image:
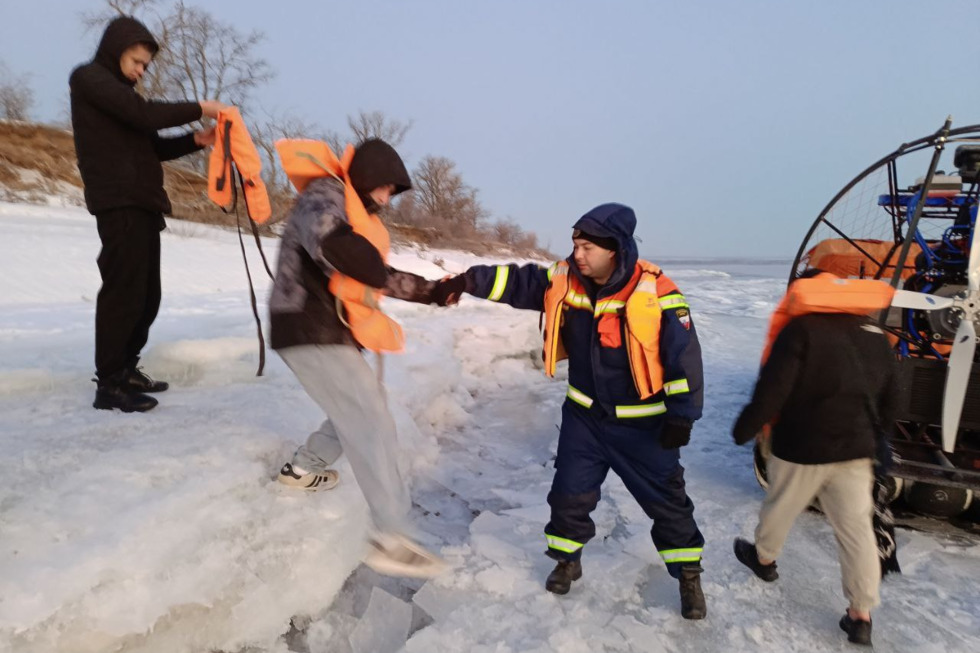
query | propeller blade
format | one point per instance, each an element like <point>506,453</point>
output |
<point>973,272</point>
<point>957,377</point>
<point>920,301</point>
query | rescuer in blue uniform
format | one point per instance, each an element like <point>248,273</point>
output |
<point>635,388</point>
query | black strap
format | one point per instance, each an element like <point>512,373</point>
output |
<point>255,230</point>
<point>226,170</point>
<point>251,295</point>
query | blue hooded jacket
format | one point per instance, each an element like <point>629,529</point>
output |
<point>603,373</point>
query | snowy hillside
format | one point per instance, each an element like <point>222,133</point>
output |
<point>165,531</point>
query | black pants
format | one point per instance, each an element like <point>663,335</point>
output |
<point>129,299</point>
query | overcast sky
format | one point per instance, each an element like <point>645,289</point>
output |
<point>726,125</point>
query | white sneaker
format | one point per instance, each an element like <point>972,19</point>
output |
<point>395,555</point>
<point>326,480</point>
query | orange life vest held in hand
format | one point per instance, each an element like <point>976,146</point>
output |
<point>638,302</point>
<point>304,160</point>
<point>233,144</point>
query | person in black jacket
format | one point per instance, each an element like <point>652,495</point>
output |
<point>830,385</point>
<point>119,154</point>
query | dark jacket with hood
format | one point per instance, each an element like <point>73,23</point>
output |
<point>116,141</point>
<point>601,372</point>
<point>318,240</point>
<point>831,386</point>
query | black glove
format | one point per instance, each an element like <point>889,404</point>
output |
<point>675,435</point>
<point>448,291</point>
<point>741,433</point>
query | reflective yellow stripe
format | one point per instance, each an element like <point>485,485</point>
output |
<point>681,555</point>
<point>641,410</point>
<point>676,387</point>
<point>609,306</point>
<point>557,268</point>
<point>673,301</point>
<point>622,412</point>
<point>646,285</point>
<point>499,283</point>
<point>578,300</point>
<point>579,397</point>
<point>561,544</point>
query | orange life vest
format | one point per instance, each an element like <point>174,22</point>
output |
<point>233,144</point>
<point>639,301</point>
<point>304,160</point>
<point>827,293</point>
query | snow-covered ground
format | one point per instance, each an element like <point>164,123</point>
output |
<point>166,531</point>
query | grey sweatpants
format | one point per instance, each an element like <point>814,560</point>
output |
<point>358,424</point>
<point>844,490</point>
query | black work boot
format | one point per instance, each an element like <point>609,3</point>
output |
<point>139,381</point>
<point>560,579</point>
<point>113,392</point>
<point>692,598</point>
<point>858,632</point>
<point>746,553</point>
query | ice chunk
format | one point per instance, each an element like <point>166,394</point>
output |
<point>384,626</point>
<point>437,602</point>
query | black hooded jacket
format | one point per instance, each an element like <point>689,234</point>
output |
<point>829,378</point>
<point>116,141</point>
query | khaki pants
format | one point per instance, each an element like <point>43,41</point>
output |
<point>844,490</point>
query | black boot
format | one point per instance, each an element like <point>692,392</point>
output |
<point>858,632</point>
<point>692,598</point>
<point>139,381</point>
<point>560,579</point>
<point>746,553</point>
<point>113,392</point>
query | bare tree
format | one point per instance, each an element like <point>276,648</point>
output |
<point>272,128</point>
<point>201,57</point>
<point>375,124</point>
<point>443,197</point>
<point>96,20</point>
<point>506,231</point>
<point>16,95</point>
<point>365,125</point>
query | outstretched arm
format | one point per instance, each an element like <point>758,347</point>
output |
<point>408,286</point>
<point>518,286</point>
<point>170,148</point>
<point>100,88</point>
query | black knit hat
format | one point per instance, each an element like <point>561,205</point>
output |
<point>603,242</point>
<point>377,164</point>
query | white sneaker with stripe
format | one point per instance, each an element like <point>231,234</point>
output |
<point>309,481</point>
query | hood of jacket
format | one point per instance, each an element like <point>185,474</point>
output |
<point>120,34</point>
<point>618,222</point>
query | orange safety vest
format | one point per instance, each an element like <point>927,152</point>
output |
<point>233,144</point>
<point>827,293</point>
<point>639,301</point>
<point>305,160</point>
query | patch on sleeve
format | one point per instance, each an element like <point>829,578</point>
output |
<point>685,317</point>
